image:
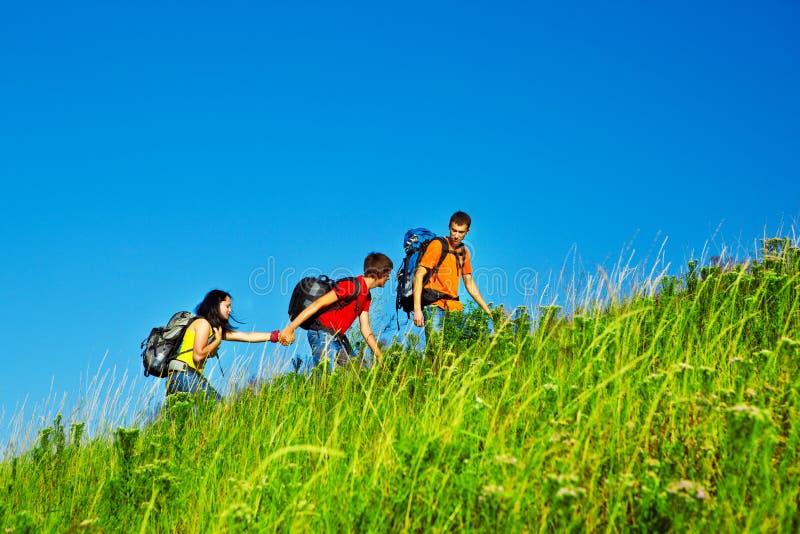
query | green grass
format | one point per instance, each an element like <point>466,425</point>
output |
<point>675,409</point>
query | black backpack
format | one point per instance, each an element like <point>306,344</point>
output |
<point>310,289</point>
<point>161,346</point>
<point>415,243</point>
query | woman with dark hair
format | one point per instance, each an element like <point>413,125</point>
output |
<point>201,341</point>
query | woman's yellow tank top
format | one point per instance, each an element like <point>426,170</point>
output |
<point>187,349</point>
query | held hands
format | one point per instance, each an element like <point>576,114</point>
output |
<point>286,337</point>
<point>217,334</point>
<point>419,318</point>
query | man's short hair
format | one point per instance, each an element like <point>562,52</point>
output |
<point>377,265</point>
<point>461,218</point>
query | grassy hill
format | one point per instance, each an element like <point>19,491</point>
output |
<point>676,409</point>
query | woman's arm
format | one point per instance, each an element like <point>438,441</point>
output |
<point>202,349</point>
<point>251,337</point>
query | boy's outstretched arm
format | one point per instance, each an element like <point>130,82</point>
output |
<point>472,289</point>
<point>369,337</point>
<point>286,337</point>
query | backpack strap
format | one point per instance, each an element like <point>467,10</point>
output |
<point>461,257</point>
<point>442,256</point>
<point>339,304</point>
<point>190,349</point>
<point>354,296</point>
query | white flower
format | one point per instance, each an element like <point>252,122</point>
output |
<point>505,459</point>
<point>570,491</point>
<point>687,489</point>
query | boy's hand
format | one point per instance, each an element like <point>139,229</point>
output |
<point>286,337</point>
<point>419,318</point>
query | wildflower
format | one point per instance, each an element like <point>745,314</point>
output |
<point>480,402</point>
<point>570,491</point>
<point>736,359</point>
<point>688,490</point>
<point>239,513</point>
<point>505,459</point>
<point>488,490</point>
<point>791,342</point>
<point>752,412</point>
<point>550,387</point>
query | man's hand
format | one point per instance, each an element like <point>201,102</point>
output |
<point>419,318</point>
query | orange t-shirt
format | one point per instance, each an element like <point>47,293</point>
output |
<point>447,277</point>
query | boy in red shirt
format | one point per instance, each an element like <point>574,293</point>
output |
<point>441,290</point>
<point>332,341</point>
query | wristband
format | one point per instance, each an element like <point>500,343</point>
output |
<point>273,336</point>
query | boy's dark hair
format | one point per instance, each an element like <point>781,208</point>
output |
<point>377,265</point>
<point>460,218</point>
<point>209,310</point>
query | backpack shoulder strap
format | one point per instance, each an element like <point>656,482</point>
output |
<point>442,256</point>
<point>461,257</point>
<point>178,352</point>
<point>356,292</point>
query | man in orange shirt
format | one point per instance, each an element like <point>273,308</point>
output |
<point>436,289</point>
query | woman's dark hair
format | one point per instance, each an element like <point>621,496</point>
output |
<point>209,310</point>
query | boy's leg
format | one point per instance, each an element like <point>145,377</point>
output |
<point>323,346</point>
<point>340,346</point>
<point>316,340</point>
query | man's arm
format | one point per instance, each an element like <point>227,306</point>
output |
<point>472,289</point>
<point>419,276</point>
<point>286,337</point>
<point>369,337</point>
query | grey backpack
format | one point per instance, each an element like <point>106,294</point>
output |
<point>161,346</point>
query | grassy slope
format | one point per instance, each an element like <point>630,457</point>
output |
<point>678,411</point>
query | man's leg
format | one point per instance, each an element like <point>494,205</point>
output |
<point>434,326</point>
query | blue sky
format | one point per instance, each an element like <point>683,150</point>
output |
<point>152,151</point>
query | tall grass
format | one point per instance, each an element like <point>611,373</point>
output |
<point>672,408</point>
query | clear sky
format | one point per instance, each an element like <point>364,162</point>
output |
<point>152,151</point>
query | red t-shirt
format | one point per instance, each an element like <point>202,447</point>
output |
<point>341,319</point>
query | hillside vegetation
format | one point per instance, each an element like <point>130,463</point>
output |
<point>677,409</point>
